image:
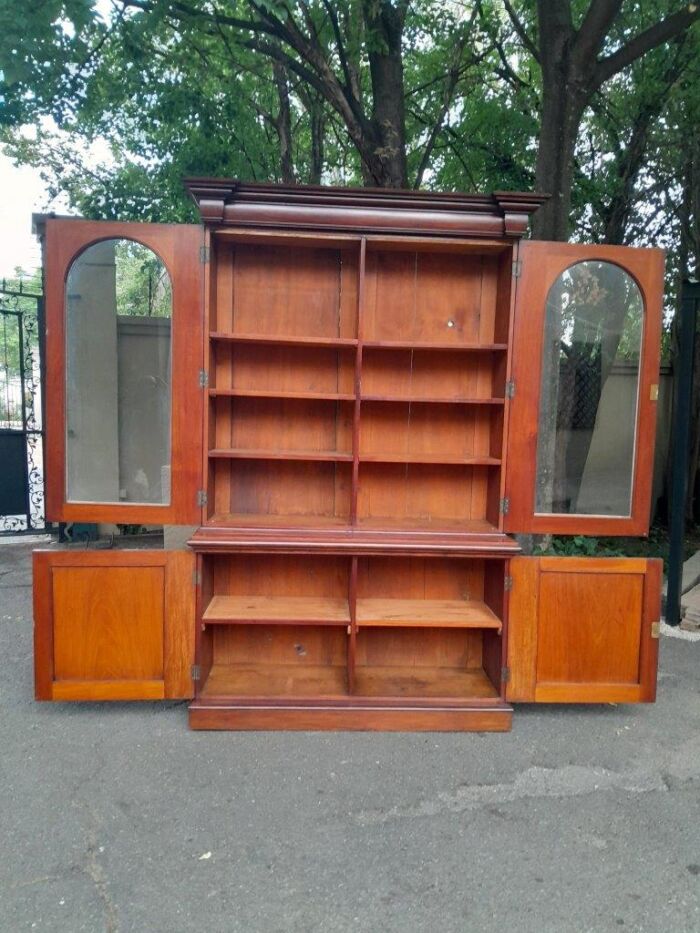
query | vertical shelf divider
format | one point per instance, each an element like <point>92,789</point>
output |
<point>358,383</point>
<point>352,628</point>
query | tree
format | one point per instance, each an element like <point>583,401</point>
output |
<point>577,56</point>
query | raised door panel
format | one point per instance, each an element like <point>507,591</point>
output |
<point>585,372</point>
<point>583,630</point>
<point>124,349</point>
<point>113,625</point>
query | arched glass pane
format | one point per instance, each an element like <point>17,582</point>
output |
<point>118,343</point>
<point>590,387</point>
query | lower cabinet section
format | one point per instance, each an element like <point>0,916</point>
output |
<point>583,630</point>
<point>113,625</point>
<point>350,643</point>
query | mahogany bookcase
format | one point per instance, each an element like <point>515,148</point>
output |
<point>370,393</point>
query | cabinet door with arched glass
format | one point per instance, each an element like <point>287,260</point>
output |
<point>584,387</point>
<point>123,352</point>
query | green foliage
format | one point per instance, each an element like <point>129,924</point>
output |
<point>580,546</point>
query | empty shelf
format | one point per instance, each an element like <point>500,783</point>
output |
<point>266,393</point>
<point>427,345</point>
<point>429,458</point>
<point>245,453</point>
<point>423,682</point>
<point>297,610</point>
<point>281,339</point>
<point>432,400</point>
<point>439,613</point>
<point>275,680</point>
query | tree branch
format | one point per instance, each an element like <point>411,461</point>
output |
<point>656,35</point>
<point>521,31</point>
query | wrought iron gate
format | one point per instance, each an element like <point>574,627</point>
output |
<point>21,424</point>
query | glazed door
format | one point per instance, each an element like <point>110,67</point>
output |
<point>124,350</point>
<point>583,630</point>
<point>585,373</point>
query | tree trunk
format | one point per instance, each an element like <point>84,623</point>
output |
<point>283,123</point>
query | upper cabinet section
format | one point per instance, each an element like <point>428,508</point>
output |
<point>585,368</point>
<point>124,323</point>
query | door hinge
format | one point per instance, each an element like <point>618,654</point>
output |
<point>508,583</point>
<point>204,254</point>
<point>504,505</point>
<point>202,497</point>
<point>203,378</point>
<point>505,674</point>
<point>196,672</point>
<point>196,578</point>
<point>655,629</point>
<point>510,388</point>
<point>517,268</point>
<point>654,392</point>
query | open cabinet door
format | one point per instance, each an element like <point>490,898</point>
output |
<point>583,630</point>
<point>584,385</point>
<point>124,319</point>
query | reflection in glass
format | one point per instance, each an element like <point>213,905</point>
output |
<point>118,337</point>
<point>588,401</point>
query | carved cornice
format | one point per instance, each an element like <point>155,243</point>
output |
<point>362,210</point>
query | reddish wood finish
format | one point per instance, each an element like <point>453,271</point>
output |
<point>178,247</point>
<point>113,625</point>
<point>542,263</point>
<point>580,630</point>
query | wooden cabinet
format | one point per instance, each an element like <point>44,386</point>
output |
<point>369,393</point>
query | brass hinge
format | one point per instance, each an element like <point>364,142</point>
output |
<point>655,629</point>
<point>510,388</point>
<point>654,392</point>
<point>505,674</point>
<point>196,672</point>
<point>202,497</point>
<point>504,505</point>
<point>204,254</point>
<point>196,578</point>
<point>508,583</point>
<point>203,378</point>
<point>517,268</point>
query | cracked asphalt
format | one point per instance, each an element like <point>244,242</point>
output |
<point>116,818</point>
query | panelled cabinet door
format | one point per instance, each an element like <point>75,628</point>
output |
<point>124,322</point>
<point>583,630</point>
<point>585,373</point>
<point>113,625</point>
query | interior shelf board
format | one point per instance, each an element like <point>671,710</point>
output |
<point>246,453</point>
<point>429,458</point>
<point>431,345</point>
<point>296,610</point>
<point>266,393</point>
<point>438,613</point>
<point>423,682</point>
<point>433,400</point>
<point>275,680</point>
<point>284,340</point>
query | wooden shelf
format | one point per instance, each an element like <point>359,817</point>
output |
<point>242,453</point>
<point>287,341</point>
<point>432,400</point>
<point>295,610</point>
<point>423,682</point>
<point>430,459</point>
<point>428,345</point>
<point>265,393</point>
<point>421,613</point>
<point>275,680</point>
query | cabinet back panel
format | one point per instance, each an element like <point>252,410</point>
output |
<point>438,430</point>
<point>287,424</point>
<point>284,369</point>
<point>293,645</point>
<point>422,492</point>
<point>272,487</point>
<point>420,578</point>
<point>431,373</point>
<point>418,648</point>
<point>430,296</point>
<point>280,575</point>
<point>286,291</point>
